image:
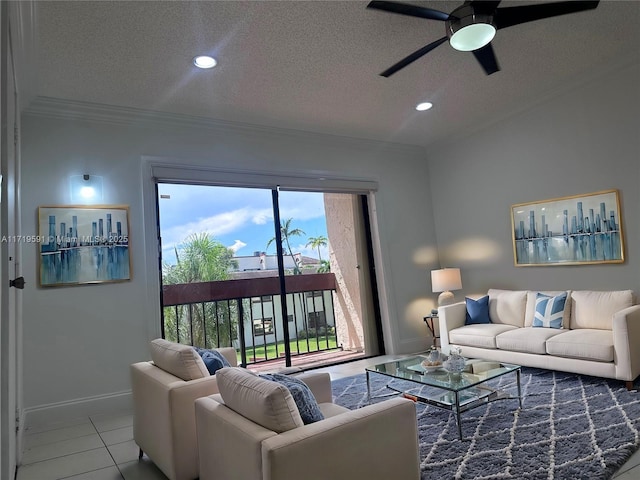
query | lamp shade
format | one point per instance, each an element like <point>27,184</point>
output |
<point>445,279</point>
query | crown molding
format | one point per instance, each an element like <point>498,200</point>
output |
<point>135,117</point>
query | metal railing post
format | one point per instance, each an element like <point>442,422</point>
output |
<point>243,351</point>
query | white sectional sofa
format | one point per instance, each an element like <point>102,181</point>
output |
<point>600,333</point>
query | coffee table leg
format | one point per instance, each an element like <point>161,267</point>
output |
<point>519,388</point>
<point>458,417</point>
<point>369,388</point>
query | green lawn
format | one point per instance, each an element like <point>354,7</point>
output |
<point>299,346</point>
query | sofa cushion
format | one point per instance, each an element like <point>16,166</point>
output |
<point>177,359</point>
<point>583,343</point>
<point>531,306</point>
<point>591,309</point>
<point>482,335</point>
<point>477,311</point>
<point>526,339</point>
<point>212,359</point>
<point>507,306</point>
<point>549,311</point>
<point>264,402</point>
<point>303,396</point>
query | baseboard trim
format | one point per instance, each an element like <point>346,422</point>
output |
<point>60,412</point>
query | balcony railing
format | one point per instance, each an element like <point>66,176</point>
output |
<point>247,314</point>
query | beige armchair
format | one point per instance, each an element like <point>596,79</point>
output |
<point>164,392</point>
<point>268,440</point>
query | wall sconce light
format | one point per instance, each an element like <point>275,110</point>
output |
<point>86,188</point>
<point>443,281</point>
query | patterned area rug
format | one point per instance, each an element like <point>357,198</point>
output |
<point>570,427</point>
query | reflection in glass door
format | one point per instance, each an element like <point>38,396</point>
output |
<point>297,296</point>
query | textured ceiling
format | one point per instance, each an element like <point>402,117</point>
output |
<point>314,66</point>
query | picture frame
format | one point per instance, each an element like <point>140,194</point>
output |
<point>83,244</point>
<point>573,230</point>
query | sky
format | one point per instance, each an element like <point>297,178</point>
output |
<point>240,218</point>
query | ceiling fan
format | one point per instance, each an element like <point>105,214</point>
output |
<point>472,26</point>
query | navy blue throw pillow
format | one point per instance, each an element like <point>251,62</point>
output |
<point>213,359</point>
<point>477,311</point>
<point>302,395</point>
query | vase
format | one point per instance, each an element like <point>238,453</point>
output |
<point>433,357</point>
<point>455,363</point>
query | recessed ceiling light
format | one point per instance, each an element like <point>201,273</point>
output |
<point>424,106</point>
<point>204,61</point>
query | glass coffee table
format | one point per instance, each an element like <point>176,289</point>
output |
<point>455,392</point>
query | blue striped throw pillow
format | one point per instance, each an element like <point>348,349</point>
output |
<point>549,311</point>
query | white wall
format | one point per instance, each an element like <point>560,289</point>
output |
<point>585,139</point>
<point>80,340</point>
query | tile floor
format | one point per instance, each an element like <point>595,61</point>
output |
<point>102,448</point>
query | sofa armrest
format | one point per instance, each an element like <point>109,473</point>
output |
<point>376,442</point>
<point>230,354</point>
<point>450,317</point>
<point>164,418</point>
<point>626,338</point>
<point>230,445</point>
<point>320,385</point>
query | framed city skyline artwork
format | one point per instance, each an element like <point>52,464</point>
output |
<point>575,230</point>
<point>83,244</point>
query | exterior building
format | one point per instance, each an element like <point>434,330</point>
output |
<point>306,311</point>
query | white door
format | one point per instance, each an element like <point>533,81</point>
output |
<point>10,253</point>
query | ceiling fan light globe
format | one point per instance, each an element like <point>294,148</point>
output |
<point>472,37</point>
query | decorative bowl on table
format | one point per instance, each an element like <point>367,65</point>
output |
<point>430,368</point>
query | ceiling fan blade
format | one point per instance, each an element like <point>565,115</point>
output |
<point>487,59</point>
<point>509,16</point>
<point>413,57</point>
<point>411,10</point>
<point>484,7</point>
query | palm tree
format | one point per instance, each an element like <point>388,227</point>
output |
<point>286,232</point>
<point>317,242</point>
<point>325,266</point>
<point>202,259</point>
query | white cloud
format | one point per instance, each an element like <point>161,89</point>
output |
<point>237,246</point>
<point>214,225</point>
<point>261,217</point>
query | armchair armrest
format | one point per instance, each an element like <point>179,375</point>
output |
<point>229,444</point>
<point>626,338</point>
<point>376,442</point>
<point>450,317</point>
<point>164,419</point>
<point>320,385</point>
<point>230,354</point>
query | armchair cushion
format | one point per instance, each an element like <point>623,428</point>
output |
<point>264,402</point>
<point>303,396</point>
<point>177,359</point>
<point>212,359</point>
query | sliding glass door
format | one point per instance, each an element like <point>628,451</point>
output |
<point>297,294</point>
